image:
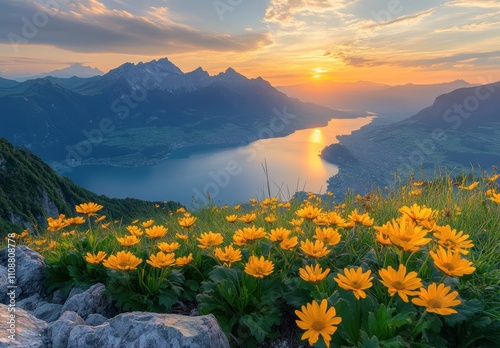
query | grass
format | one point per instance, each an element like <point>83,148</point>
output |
<point>255,308</point>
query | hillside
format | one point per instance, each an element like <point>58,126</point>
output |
<point>30,191</point>
<point>138,114</point>
<point>459,130</point>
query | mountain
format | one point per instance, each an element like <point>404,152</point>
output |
<point>75,69</point>
<point>459,130</point>
<point>4,83</point>
<point>140,113</point>
<point>30,191</point>
<point>387,101</point>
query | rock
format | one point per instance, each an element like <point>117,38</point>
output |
<point>95,320</point>
<point>73,292</point>
<point>58,331</point>
<point>29,303</point>
<point>29,331</point>
<point>29,271</point>
<point>151,330</point>
<point>48,312</point>
<point>58,297</point>
<point>4,282</point>
<point>91,301</point>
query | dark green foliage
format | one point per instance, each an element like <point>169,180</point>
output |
<point>27,184</point>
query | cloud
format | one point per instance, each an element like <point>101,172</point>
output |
<point>474,3</point>
<point>409,19</point>
<point>284,11</point>
<point>90,27</point>
<point>451,60</point>
<point>470,27</point>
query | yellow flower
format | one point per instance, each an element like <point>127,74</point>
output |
<point>328,235</point>
<point>279,234</point>
<point>451,263</point>
<point>493,178</point>
<point>156,231</point>
<point>309,212</point>
<point>181,236</point>
<point>122,261</point>
<point>57,224</point>
<point>270,219</point>
<point>297,222</point>
<point>259,267</point>
<point>404,234</point>
<point>88,209</point>
<point>52,244</point>
<point>40,242</point>
<point>329,193</point>
<point>180,210</point>
<point>289,243</point>
<point>232,218</point>
<point>449,238</point>
<point>236,207</point>
<point>313,274</point>
<point>168,247</point>
<point>148,223</point>
<point>321,220</point>
<point>161,260</point>
<point>418,183</point>
<point>134,222</point>
<point>470,187</point>
<point>229,255</point>
<point>356,218</point>
<point>75,221</point>
<point>187,221</point>
<point>317,319</point>
<point>134,230</point>
<point>399,282</point>
<point>184,260</point>
<point>495,197</point>
<point>95,258</point>
<point>355,281</point>
<point>437,299</point>
<point>419,213</point>
<point>105,226</point>
<point>334,218</point>
<point>128,241</point>
<point>416,192</point>
<point>315,250</point>
<point>100,218</point>
<point>248,218</point>
<point>248,234</point>
<point>210,239</point>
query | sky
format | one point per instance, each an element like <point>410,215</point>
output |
<point>284,41</point>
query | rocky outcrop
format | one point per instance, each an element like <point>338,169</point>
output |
<point>86,318</point>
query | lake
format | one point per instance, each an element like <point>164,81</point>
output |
<point>229,175</point>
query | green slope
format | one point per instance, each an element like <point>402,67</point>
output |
<point>30,191</point>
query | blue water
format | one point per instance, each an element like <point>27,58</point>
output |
<point>229,175</point>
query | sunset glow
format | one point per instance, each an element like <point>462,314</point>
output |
<point>285,42</point>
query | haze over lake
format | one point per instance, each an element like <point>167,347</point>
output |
<point>228,175</point>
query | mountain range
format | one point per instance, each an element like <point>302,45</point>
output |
<point>74,70</point>
<point>140,113</point>
<point>389,102</point>
<point>459,131</point>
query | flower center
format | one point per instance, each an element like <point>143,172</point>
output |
<point>355,284</point>
<point>258,270</point>
<point>398,285</point>
<point>449,266</point>
<point>318,325</point>
<point>435,303</point>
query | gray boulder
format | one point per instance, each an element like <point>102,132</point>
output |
<point>29,271</point>
<point>91,301</point>
<point>58,331</point>
<point>48,312</point>
<point>150,330</point>
<point>29,331</point>
<point>95,320</point>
